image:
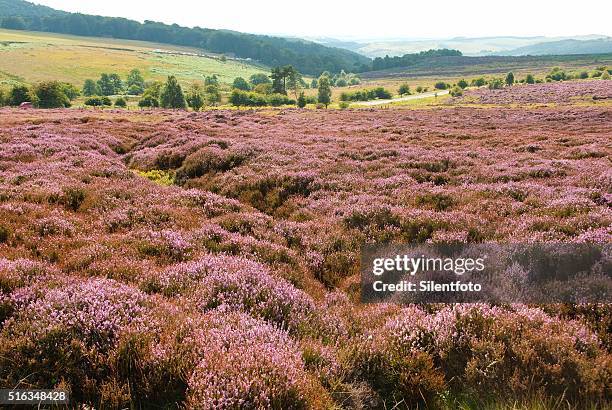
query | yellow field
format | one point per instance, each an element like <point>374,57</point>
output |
<point>31,57</point>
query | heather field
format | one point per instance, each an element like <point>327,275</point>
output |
<point>166,259</point>
<point>546,93</point>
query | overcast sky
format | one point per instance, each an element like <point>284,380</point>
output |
<point>371,19</point>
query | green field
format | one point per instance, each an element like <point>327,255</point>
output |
<point>29,57</point>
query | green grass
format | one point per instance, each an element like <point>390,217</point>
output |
<point>31,57</point>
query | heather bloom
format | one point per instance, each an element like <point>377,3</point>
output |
<point>95,311</point>
<point>246,363</point>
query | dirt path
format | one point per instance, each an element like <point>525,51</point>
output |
<point>407,98</point>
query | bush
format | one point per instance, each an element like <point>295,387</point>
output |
<point>605,75</point>
<point>496,84</point>
<point>301,102</point>
<point>98,101</point>
<point>556,74</point>
<point>529,79</point>
<point>240,98</point>
<point>50,94</point>
<point>366,95</point>
<point>245,363</point>
<point>419,89</point>
<point>479,82</point>
<point>148,102</point>
<point>120,102</point>
<point>20,94</point>
<point>441,85</point>
<point>404,89</point>
<point>241,84</point>
<point>344,105</point>
<point>462,84</point>
<point>456,91</point>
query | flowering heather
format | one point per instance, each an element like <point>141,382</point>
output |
<point>545,93</point>
<point>236,285</point>
<point>96,311</point>
<point>247,363</point>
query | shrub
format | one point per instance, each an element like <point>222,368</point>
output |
<point>120,102</point>
<point>20,94</point>
<point>556,74</point>
<point>245,363</point>
<point>301,102</point>
<point>241,84</point>
<point>440,85</point>
<point>404,89</point>
<point>479,82</point>
<point>148,102</point>
<point>366,95</point>
<point>605,75</point>
<point>344,105</point>
<point>462,84</point>
<point>456,91</point>
<point>529,79</point>
<point>98,101</point>
<point>496,84</point>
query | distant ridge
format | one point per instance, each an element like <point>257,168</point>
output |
<point>570,46</point>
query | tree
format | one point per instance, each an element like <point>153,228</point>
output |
<point>294,81</point>
<point>241,84</point>
<point>50,94</point>
<point>135,82</point>
<point>106,85</point>
<point>404,89</point>
<point>20,94</point>
<point>213,95</point>
<point>117,83</point>
<point>419,89</point>
<point>172,95</point>
<point>211,80</point>
<point>529,79</point>
<point>324,91</point>
<point>280,76</point>
<point>301,102</point>
<point>510,79</point>
<point>90,88</point>
<point>605,75</point>
<point>263,88</point>
<point>259,78</point>
<point>314,83</point>
<point>195,99</point>
<point>462,84</point>
<point>13,23</point>
<point>70,91</point>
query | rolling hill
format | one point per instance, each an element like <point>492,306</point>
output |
<point>569,46</point>
<point>478,46</point>
<point>29,57</point>
<point>308,57</point>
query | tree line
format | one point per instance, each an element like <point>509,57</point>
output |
<point>382,63</point>
<point>308,57</point>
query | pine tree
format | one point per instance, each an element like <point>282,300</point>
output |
<point>172,95</point>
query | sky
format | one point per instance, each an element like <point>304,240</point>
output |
<point>391,19</point>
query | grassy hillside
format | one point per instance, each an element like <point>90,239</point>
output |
<point>308,57</point>
<point>31,57</point>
